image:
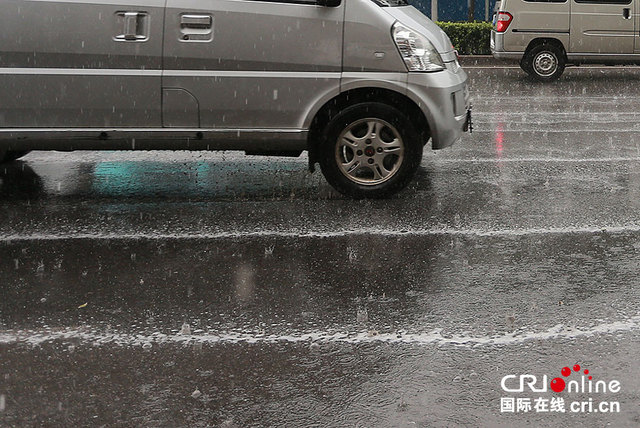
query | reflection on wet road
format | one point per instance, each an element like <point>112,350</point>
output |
<point>203,289</point>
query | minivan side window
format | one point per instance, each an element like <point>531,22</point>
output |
<point>604,1</point>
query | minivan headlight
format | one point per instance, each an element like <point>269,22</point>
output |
<point>417,51</point>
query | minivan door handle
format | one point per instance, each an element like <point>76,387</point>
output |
<point>134,25</point>
<point>196,21</point>
<point>196,28</point>
<point>626,13</point>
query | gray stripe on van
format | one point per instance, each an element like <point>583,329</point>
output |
<point>171,73</point>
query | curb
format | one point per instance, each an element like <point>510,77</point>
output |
<point>485,61</point>
<point>489,61</point>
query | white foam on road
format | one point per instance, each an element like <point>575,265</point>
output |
<point>540,160</point>
<point>391,233</point>
<point>97,338</point>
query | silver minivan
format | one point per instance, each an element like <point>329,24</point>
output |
<point>362,85</point>
<point>545,35</point>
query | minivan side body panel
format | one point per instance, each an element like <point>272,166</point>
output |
<point>68,64</point>
<point>259,76</point>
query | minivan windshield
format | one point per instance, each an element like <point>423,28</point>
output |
<point>392,3</point>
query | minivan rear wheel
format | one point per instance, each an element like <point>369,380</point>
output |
<point>370,150</point>
<point>544,62</point>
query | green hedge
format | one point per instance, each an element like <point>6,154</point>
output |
<point>469,38</point>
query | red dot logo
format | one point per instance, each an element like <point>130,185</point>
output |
<point>557,384</point>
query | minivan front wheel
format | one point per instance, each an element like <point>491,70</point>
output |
<point>370,150</point>
<point>544,62</point>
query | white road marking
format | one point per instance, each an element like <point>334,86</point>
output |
<point>97,338</point>
<point>156,236</point>
<point>568,69</point>
<point>540,160</point>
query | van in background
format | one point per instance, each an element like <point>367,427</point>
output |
<point>546,35</point>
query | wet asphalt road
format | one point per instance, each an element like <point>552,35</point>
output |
<point>204,289</point>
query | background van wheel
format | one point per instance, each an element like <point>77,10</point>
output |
<point>544,62</point>
<point>6,156</point>
<point>370,150</point>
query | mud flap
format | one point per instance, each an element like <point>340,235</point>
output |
<point>468,123</point>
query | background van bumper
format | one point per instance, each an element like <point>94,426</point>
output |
<point>497,47</point>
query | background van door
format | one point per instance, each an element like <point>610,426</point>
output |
<point>602,27</point>
<point>637,26</point>
<point>248,64</point>
<point>80,64</point>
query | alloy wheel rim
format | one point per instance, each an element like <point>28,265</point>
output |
<point>369,151</point>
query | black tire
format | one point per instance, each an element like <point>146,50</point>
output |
<point>370,150</point>
<point>6,156</point>
<point>526,66</point>
<point>544,62</point>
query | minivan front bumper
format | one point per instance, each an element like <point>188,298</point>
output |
<point>445,102</point>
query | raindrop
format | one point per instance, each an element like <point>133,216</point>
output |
<point>268,251</point>
<point>351,254</point>
<point>185,330</point>
<point>362,315</point>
